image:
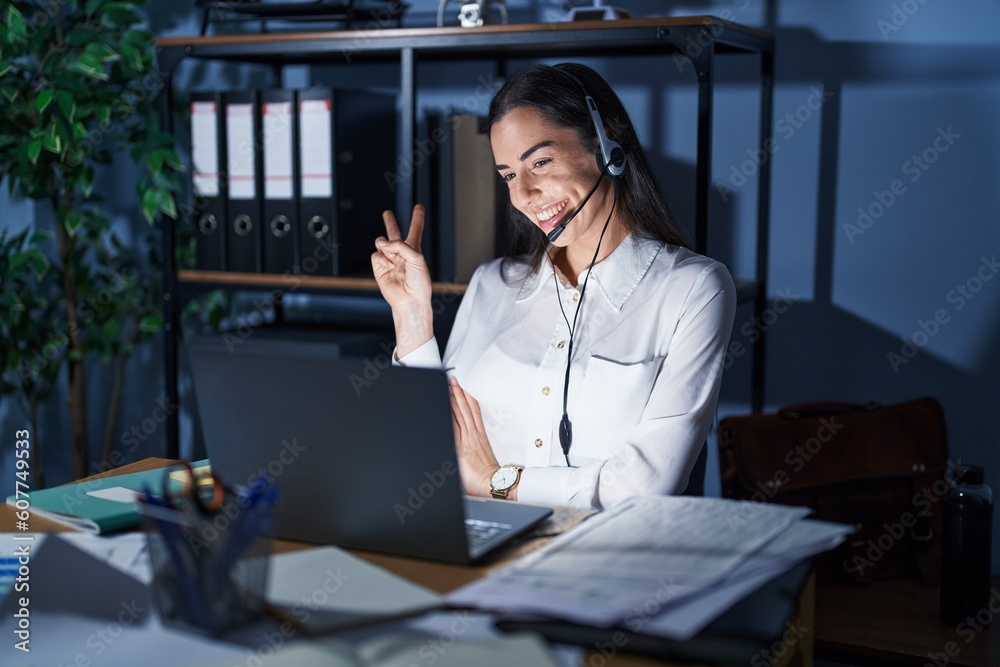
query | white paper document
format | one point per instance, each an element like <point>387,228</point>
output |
<point>328,586</point>
<point>636,560</point>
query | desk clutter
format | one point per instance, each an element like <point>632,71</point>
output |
<point>208,551</point>
<point>290,181</point>
<point>655,570</point>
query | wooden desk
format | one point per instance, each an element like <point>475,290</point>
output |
<point>896,623</point>
<point>443,578</point>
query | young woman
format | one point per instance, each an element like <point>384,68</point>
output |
<point>585,364</point>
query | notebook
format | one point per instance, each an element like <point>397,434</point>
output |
<point>363,452</point>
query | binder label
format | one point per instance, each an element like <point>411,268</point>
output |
<point>240,151</point>
<point>204,149</point>
<point>316,148</point>
<point>278,150</point>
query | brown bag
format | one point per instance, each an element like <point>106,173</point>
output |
<point>880,468</point>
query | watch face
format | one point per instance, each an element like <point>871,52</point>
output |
<point>503,478</point>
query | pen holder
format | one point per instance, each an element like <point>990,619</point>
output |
<point>209,569</point>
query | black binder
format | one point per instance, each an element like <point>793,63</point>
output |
<point>470,198</point>
<point>317,215</point>
<point>243,168</point>
<point>208,155</point>
<point>347,148</point>
<point>280,212</point>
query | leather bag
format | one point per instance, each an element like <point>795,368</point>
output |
<point>880,468</point>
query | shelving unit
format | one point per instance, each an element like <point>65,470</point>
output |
<point>666,37</point>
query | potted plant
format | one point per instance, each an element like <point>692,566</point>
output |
<point>78,87</point>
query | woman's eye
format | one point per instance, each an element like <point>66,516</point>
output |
<point>507,177</point>
<point>540,163</point>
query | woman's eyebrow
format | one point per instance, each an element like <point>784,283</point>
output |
<point>528,152</point>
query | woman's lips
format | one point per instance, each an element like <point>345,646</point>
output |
<point>553,222</point>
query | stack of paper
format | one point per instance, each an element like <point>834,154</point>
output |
<point>662,565</point>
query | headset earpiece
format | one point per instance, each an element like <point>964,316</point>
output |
<point>610,154</point>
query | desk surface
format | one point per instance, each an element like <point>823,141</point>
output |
<point>896,622</point>
<point>439,577</point>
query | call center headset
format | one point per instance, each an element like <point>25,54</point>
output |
<point>611,161</point>
<point>610,154</point>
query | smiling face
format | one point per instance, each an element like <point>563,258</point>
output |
<point>549,173</point>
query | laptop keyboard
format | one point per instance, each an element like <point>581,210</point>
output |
<point>478,532</point>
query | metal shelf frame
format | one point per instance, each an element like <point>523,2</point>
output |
<point>699,39</point>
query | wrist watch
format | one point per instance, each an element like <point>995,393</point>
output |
<point>504,480</point>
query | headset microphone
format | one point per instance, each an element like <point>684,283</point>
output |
<point>554,234</point>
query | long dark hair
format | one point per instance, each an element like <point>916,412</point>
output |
<point>559,99</point>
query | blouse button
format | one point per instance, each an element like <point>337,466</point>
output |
<point>561,344</point>
<point>545,391</point>
<point>576,297</point>
<point>538,442</point>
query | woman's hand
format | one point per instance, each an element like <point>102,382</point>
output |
<point>405,281</point>
<point>476,460</point>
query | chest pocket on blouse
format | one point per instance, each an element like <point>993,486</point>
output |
<point>611,399</point>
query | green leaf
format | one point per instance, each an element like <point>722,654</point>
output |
<point>118,15</point>
<point>149,204</point>
<point>34,150</point>
<point>168,206</point>
<point>40,236</point>
<point>43,100</point>
<point>72,222</point>
<point>10,93</point>
<point>52,142</point>
<point>173,160</point>
<point>102,52</point>
<point>138,38</point>
<point>111,328</point>
<point>5,66</point>
<point>151,323</point>
<point>132,57</point>
<point>92,6</point>
<point>90,66</point>
<point>15,22</point>
<point>67,104</point>
<point>38,262</point>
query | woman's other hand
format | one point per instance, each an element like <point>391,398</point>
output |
<point>476,460</point>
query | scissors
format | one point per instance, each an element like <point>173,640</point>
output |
<point>203,496</point>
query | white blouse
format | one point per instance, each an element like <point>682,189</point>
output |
<point>648,351</point>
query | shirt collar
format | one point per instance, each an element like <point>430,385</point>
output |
<point>616,277</point>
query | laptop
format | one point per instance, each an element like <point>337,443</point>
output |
<point>364,452</point>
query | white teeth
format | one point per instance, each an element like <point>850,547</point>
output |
<point>548,214</point>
